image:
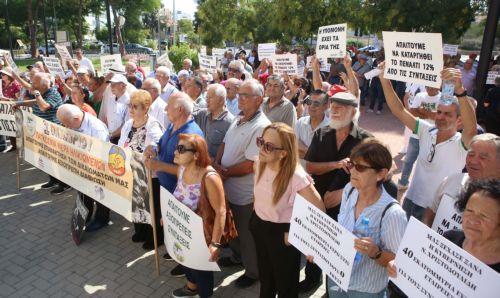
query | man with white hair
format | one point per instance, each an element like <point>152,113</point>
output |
<point>182,76</point>
<point>179,110</point>
<point>232,86</point>
<point>157,108</point>
<point>74,118</point>
<point>235,70</point>
<point>84,61</point>
<point>214,120</point>
<point>107,96</point>
<point>163,76</point>
<point>117,108</point>
<point>234,162</point>
<point>187,64</point>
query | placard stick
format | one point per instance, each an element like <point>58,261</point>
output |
<point>18,176</point>
<point>153,220</point>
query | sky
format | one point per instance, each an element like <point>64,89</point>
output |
<point>186,6</point>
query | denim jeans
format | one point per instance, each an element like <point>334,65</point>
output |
<point>335,292</point>
<point>410,158</point>
<point>413,209</point>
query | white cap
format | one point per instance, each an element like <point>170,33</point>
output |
<point>118,78</point>
<point>82,70</point>
<point>117,68</point>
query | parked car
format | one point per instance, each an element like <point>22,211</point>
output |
<point>137,48</point>
<point>105,48</point>
<point>52,50</point>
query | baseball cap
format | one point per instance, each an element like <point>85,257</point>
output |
<point>336,89</point>
<point>118,78</point>
<point>345,99</point>
<point>82,70</point>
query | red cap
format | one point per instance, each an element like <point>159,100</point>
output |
<point>335,89</point>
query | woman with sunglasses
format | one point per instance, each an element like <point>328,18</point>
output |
<point>279,177</point>
<point>200,188</point>
<point>137,133</point>
<point>374,216</point>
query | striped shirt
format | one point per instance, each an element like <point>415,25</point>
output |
<point>54,99</point>
<point>368,276</point>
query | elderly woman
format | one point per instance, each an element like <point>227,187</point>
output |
<point>80,97</point>
<point>137,133</point>
<point>374,216</point>
<point>11,91</point>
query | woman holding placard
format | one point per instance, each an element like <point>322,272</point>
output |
<point>374,216</point>
<point>279,178</point>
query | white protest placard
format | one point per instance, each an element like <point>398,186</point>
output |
<point>208,63</point>
<point>315,234</point>
<point>8,57</point>
<point>266,50</point>
<point>450,49</point>
<point>285,63</point>
<point>332,41</point>
<point>184,237</point>
<point>203,50</point>
<point>428,265</point>
<point>413,57</point>
<point>64,53</point>
<point>53,65</point>
<point>490,80</point>
<point>8,125</point>
<point>324,65</point>
<point>447,216</point>
<point>108,61</point>
<point>372,73</point>
<point>218,53</point>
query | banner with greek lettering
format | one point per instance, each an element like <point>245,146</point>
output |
<point>64,53</point>
<point>108,61</point>
<point>447,216</point>
<point>492,75</point>
<point>413,57</point>
<point>208,63</point>
<point>428,265</point>
<point>285,63</point>
<point>266,50</point>
<point>331,41</point>
<point>53,65</point>
<point>315,234</point>
<point>111,175</point>
<point>8,119</point>
<point>8,57</point>
<point>450,49</point>
<point>184,237</point>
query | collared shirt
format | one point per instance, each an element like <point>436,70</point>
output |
<point>157,110</point>
<point>213,129</point>
<point>200,102</point>
<point>108,96</point>
<point>167,91</point>
<point>367,276</point>
<point>53,98</point>
<point>239,146</point>
<point>305,132</point>
<point>449,158</point>
<point>283,112</point>
<point>94,127</point>
<point>323,148</point>
<point>86,62</point>
<point>232,106</point>
<point>167,144</point>
<point>117,111</point>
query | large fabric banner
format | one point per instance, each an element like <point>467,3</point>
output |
<point>184,237</point>
<point>7,119</point>
<point>111,175</point>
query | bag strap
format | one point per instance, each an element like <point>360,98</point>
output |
<point>350,192</point>
<point>203,188</point>
<point>385,210</point>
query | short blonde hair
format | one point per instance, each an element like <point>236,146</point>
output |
<point>141,97</point>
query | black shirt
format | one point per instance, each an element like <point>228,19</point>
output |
<point>458,237</point>
<point>323,148</point>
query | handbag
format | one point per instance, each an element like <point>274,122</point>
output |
<point>207,213</point>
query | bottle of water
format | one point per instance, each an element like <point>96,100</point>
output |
<point>448,92</point>
<point>363,231</point>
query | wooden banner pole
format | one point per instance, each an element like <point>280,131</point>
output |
<point>153,220</point>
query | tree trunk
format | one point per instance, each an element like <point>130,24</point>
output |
<point>32,28</point>
<point>119,38</point>
<point>80,25</point>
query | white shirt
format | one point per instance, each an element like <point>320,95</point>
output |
<point>167,91</point>
<point>94,127</point>
<point>422,99</point>
<point>86,62</point>
<point>154,131</point>
<point>108,95</point>
<point>117,111</point>
<point>451,186</point>
<point>157,110</point>
<point>232,106</point>
<point>449,159</point>
<point>469,80</point>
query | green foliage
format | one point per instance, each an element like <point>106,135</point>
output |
<point>180,52</point>
<point>356,43</point>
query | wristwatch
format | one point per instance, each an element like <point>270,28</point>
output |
<point>461,94</point>
<point>37,93</point>
<point>377,255</point>
<point>216,245</point>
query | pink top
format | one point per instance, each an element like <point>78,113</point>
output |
<point>263,193</point>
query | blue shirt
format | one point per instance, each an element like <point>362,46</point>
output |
<point>167,147</point>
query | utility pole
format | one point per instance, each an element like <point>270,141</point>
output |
<point>45,29</point>
<point>110,36</point>
<point>175,22</point>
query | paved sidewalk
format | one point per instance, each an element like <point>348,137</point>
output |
<point>39,259</point>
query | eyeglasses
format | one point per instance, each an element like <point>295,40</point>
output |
<point>315,103</point>
<point>268,147</point>
<point>430,157</point>
<point>232,70</point>
<point>182,149</point>
<point>360,168</point>
<point>246,95</point>
<point>133,107</point>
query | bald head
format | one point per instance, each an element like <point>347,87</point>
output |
<point>70,116</point>
<point>41,81</point>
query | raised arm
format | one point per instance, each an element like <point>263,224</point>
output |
<point>317,81</point>
<point>353,84</point>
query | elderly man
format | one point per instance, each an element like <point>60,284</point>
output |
<point>117,107</point>
<point>157,108</point>
<point>187,64</point>
<point>132,71</point>
<point>47,101</point>
<point>326,160</point>
<point>179,110</point>
<point>194,88</point>
<point>234,162</point>
<point>469,76</point>
<point>232,87</point>
<point>163,76</point>
<point>277,107</point>
<point>235,70</point>
<point>482,162</point>
<point>74,118</point>
<point>442,149</point>
<point>215,120</point>
<point>360,68</point>
<point>84,61</point>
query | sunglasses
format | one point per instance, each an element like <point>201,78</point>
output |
<point>134,107</point>
<point>268,147</point>
<point>358,167</point>
<point>430,157</point>
<point>315,103</point>
<point>182,149</point>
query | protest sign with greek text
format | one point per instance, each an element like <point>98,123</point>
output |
<point>184,237</point>
<point>208,63</point>
<point>108,61</point>
<point>285,63</point>
<point>332,41</point>
<point>53,65</point>
<point>429,265</point>
<point>450,49</point>
<point>413,57</point>
<point>490,79</point>
<point>8,57</point>
<point>64,53</point>
<point>7,118</point>
<point>218,53</point>
<point>315,234</point>
<point>447,216</point>
<point>323,64</point>
<point>266,50</point>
